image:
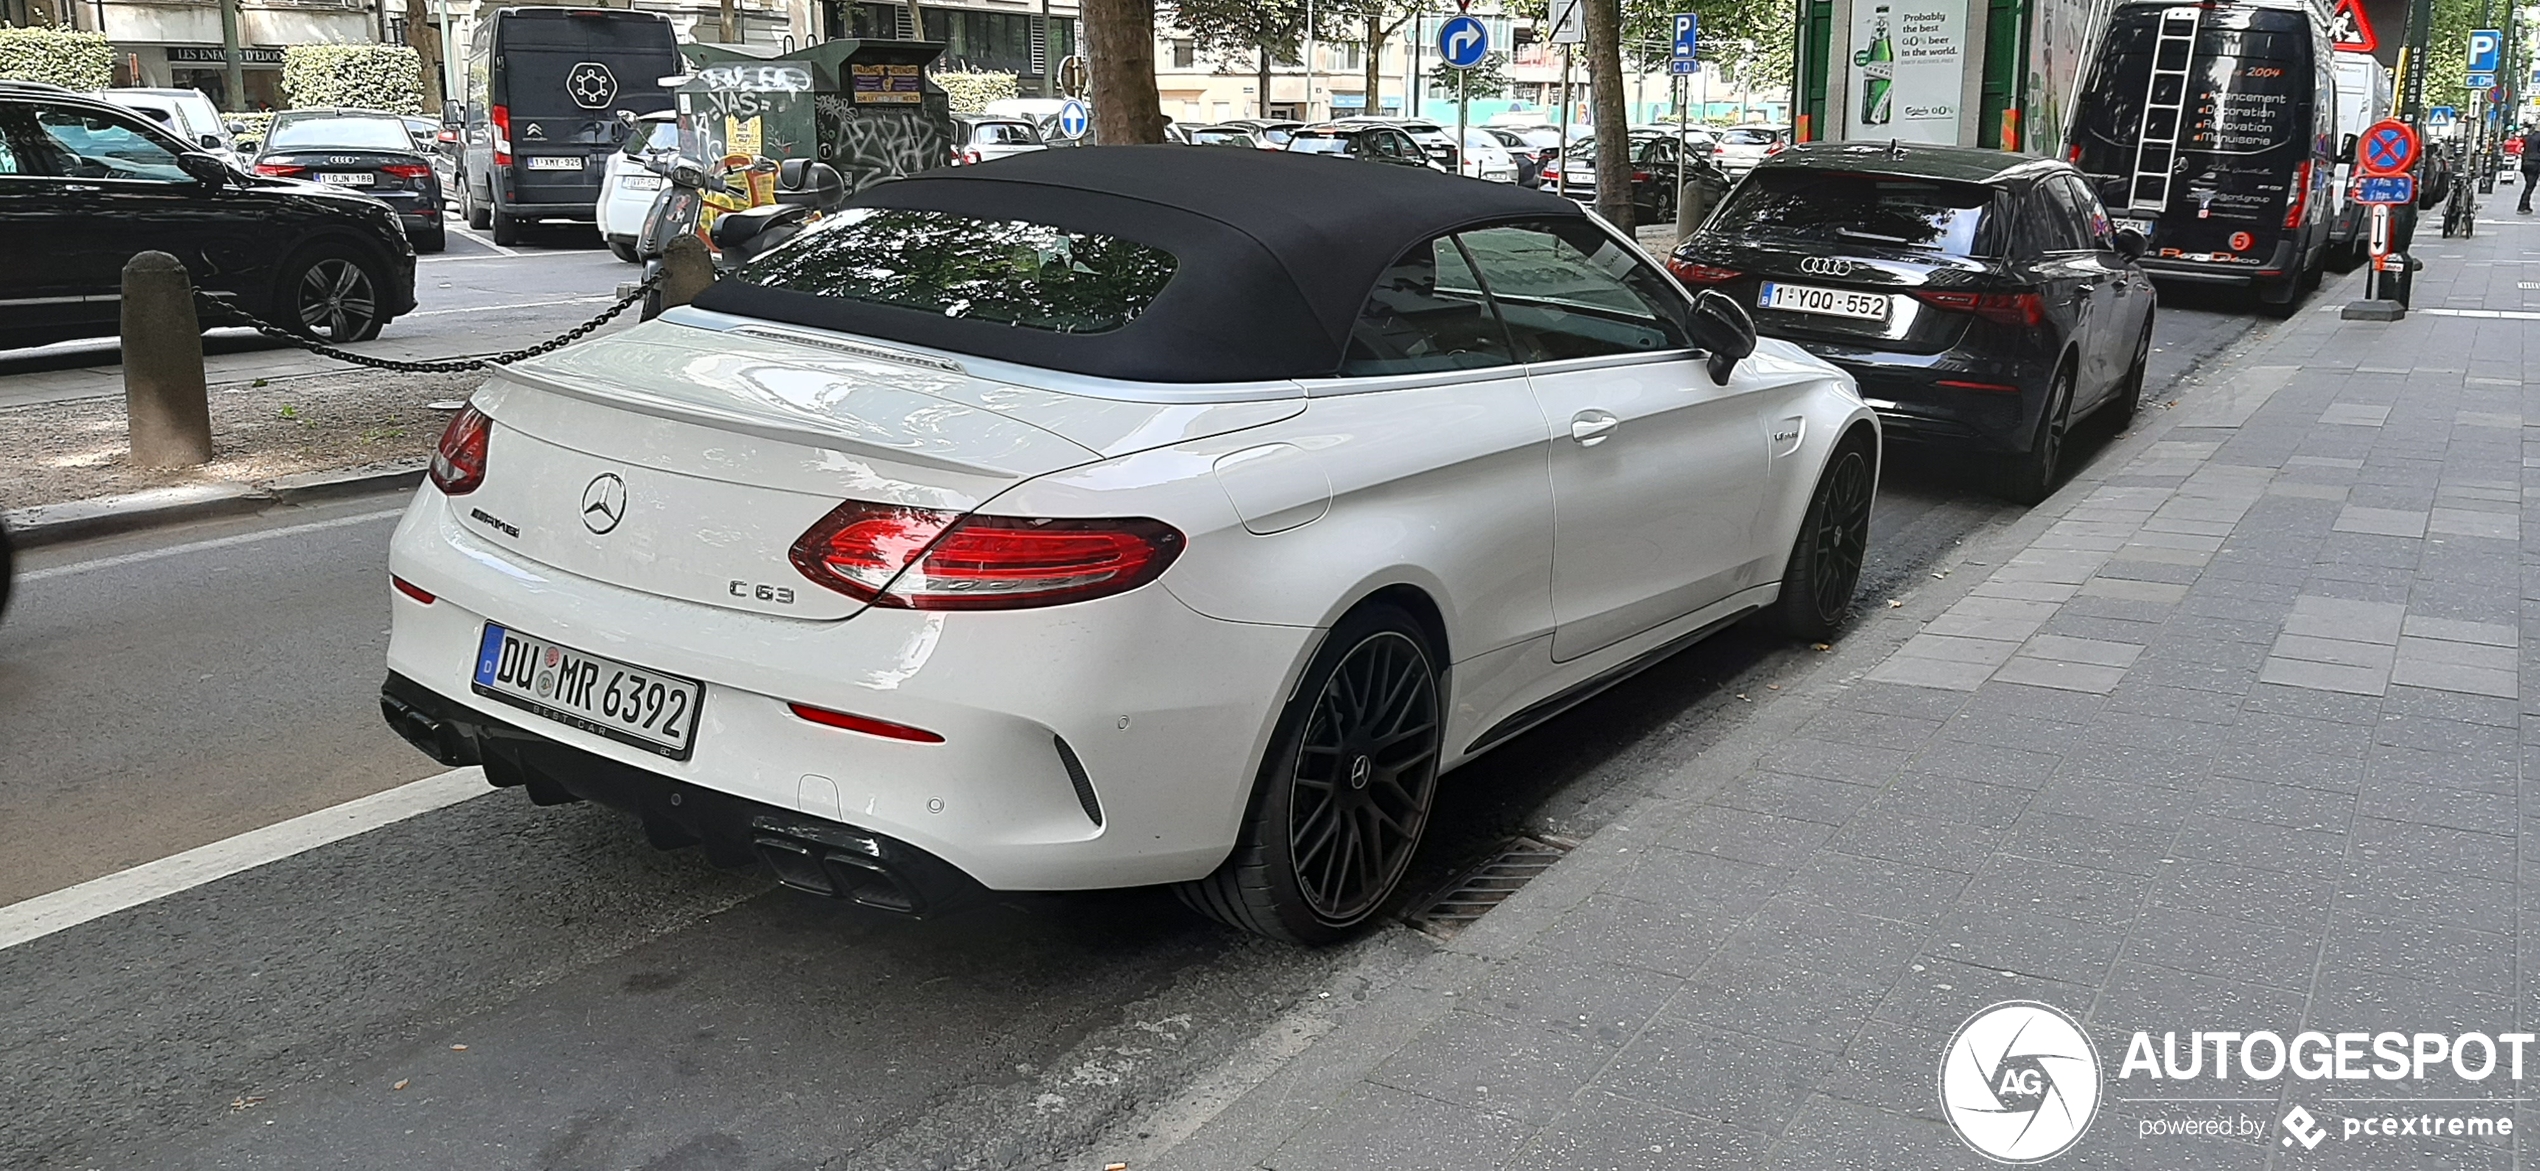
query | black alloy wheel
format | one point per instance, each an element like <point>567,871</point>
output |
<point>2029,477</point>
<point>2129,396</point>
<point>328,295</point>
<point>1345,793</point>
<point>1834,538</point>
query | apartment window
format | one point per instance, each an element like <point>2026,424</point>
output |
<point>998,41</point>
<point>1185,55</point>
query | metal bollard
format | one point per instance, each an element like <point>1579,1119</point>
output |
<point>687,269</point>
<point>165,405</point>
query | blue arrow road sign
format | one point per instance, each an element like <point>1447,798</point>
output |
<point>1463,41</point>
<point>2486,45</point>
<point>1688,30</point>
<point>1074,119</point>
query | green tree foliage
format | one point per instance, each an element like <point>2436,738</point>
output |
<point>1750,41</point>
<point>1263,31</point>
<point>971,92</point>
<point>65,57</point>
<point>368,77</point>
<point>1486,80</point>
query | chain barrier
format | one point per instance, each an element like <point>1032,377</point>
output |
<point>238,316</point>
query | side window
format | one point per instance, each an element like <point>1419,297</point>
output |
<point>2094,218</point>
<point>1426,313</point>
<point>89,145</point>
<point>2059,217</point>
<point>1567,291</point>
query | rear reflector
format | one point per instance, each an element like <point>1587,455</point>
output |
<point>412,590</point>
<point>925,559</point>
<point>865,724</point>
<point>1960,384</point>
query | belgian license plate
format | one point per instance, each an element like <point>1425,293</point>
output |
<point>626,703</point>
<point>1829,302</point>
<point>555,162</point>
<point>2143,226</point>
<point>346,178</point>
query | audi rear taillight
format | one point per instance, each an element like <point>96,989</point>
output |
<point>2301,201</point>
<point>1700,274</point>
<point>2025,308</point>
<point>925,559</point>
<point>458,464</point>
<point>407,170</point>
<point>281,170</point>
<point>501,117</point>
<point>1641,176</point>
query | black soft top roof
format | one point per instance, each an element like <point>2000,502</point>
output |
<point>1275,253</point>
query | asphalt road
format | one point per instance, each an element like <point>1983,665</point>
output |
<point>473,298</point>
<point>497,985</point>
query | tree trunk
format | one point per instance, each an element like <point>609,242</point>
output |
<point>730,23</point>
<point>1605,93</point>
<point>1262,84</point>
<point>1375,66</point>
<point>1120,47</point>
<point>426,42</point>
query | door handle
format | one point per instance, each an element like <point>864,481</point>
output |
<point>1590,428</point>
<point>82,188</point>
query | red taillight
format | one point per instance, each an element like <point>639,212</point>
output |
<point>2072,154</point>
<point>1640,176</point>
<point>407,170</point>
<point>1700,274</point>
<point>924,559</point>
<point>865,724</point>
<point>458,465</point>
<point>411,590</point>
<point>1963,384</point>
<point>971,156</point>
<point>1776,148</point>
<point>501,117</point>
<point>2301,201</point>
<point>2027,309</point>
<point>281,170</point>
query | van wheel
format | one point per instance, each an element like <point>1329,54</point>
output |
<point>2281,299</point>
<point>1344,791</point>
<point>477,216</point>
<point>506,228</point>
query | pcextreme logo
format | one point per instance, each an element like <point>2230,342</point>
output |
<point>2019,1082</point>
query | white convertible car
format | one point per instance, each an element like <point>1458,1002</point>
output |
<point>1111,517</point>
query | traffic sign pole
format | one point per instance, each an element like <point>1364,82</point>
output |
<point>1463,43</point>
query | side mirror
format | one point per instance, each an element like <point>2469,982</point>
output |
<point>235,126</point>
<point>2346,149</point>
<point>209,142</point>
<point>1722,326</point>
<point>2131,243</point>
<point>804,183</point>
<point>203,168</point>
<point>453,113</point>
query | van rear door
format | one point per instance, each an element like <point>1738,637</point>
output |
<point>571,81</point>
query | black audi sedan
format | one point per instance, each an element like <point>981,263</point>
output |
<point>1982,300</point>
<point>85,185</point>
<point>368,151</point>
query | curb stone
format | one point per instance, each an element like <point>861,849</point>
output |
<point>1286,1100</point>
<point>53,524</point>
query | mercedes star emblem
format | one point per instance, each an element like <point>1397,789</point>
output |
<point>604,502</point>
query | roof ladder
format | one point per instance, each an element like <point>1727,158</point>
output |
<point>2164,109</point>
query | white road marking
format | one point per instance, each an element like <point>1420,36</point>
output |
<point>470,233</point>
<point>123,890</point>
<point>214,543</point>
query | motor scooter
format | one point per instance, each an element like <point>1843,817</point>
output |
<point>803,192</point>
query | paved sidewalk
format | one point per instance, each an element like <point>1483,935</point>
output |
<point>2229,735</point>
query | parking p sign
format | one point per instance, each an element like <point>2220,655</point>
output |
<point>2486,47</point>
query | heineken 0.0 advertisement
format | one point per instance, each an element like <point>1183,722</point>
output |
<point>1908,59</point>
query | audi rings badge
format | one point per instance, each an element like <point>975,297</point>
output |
<point>1825,266</point>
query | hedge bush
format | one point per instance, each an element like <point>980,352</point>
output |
<point>368,77</point>
<point>971,92</point>
<point>68,58</point>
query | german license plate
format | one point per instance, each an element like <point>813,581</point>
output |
<point>1829,302</point>
<point>555,162</point>
<point>347,178</point>
<point>629,704</point>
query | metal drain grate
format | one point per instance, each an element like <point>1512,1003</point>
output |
<point>1488,885</point>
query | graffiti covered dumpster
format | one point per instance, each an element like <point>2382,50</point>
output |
<point>864,107</point>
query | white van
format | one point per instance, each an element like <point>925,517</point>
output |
<point>186,113</point>
<point>2364,96</point>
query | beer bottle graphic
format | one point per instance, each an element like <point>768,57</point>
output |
<point>1878,72</point>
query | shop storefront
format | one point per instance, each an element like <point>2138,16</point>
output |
<point>202,67</point>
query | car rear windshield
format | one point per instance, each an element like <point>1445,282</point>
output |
<point>1884,211</point>
<point>1319,144</point>
<point>352,133</point>
<point>1011,272</point>
<point>1736,137</point>
<point>1005,134</point>
<point>588,32</point>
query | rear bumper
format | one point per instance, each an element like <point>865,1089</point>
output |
<point>1913,407</point>
<point>2282,261</point>
<point>585,211</point>
<point>807,853</point>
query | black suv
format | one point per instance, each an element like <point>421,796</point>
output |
<point>84,185</point>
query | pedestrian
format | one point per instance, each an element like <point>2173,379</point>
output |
<point>2530,164</point>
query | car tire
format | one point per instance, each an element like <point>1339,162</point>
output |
<point>2028,477</point>
<point>2128,400</point>
<point>436,240</point>
<point>1344,791</point>
<point>2281,299</point>
<point>625,251</point>
<point>506,228</point>
<point>478,216</point>
<point>8,568</point>
<point>330,293</point>
<point>1825,561</point>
